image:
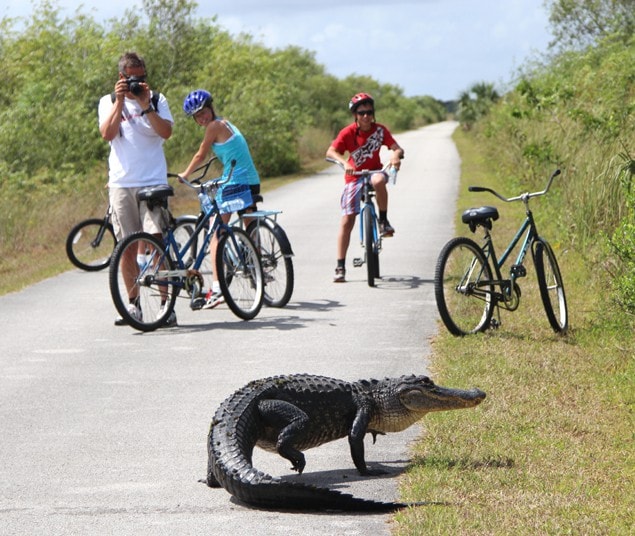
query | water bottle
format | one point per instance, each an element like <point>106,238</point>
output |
<point>392,175</point>
<point>206,203</point>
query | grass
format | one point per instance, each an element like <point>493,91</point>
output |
<point>550,451</point>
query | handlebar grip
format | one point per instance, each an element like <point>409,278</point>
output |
<point>477,189</point>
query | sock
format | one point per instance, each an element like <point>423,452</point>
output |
<point>383,215</point>
<point>340,263</point>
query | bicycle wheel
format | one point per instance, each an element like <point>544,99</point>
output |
<point>462,287</point>
<point>370,245</point>
<point>135,272</point>
<point>90,244</point>
<point>240,273</point>
<point>551,287</point>
<point>275,255</point>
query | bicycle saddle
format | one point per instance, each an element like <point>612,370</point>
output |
<point>480,216</point>
<point>155,193</point>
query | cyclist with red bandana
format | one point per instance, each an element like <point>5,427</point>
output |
<point>362,140</point>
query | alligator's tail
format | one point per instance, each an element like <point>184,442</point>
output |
<point>261,490</point>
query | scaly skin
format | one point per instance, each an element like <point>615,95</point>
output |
<point>289,414</point>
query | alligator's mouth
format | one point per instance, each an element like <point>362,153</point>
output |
<point>435,398</point>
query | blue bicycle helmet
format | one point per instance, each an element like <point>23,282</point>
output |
<point>196,101</point>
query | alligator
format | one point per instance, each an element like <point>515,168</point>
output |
<point>288,414</point>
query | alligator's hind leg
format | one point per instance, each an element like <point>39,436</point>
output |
<point>289,422</point>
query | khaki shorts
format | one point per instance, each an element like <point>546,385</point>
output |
<point>129,216</point>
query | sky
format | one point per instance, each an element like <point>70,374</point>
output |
<point>427,47</point>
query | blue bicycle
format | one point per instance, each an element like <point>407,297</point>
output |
<point>148,272</point>
<point>369,235</point>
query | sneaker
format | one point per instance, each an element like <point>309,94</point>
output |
<point>135,312</point>
<point>385,229</point>
<point>340,275</point>
<point>170,321</point>
<point>212,299</point>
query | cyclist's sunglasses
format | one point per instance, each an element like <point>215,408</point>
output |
<point>366,112</point>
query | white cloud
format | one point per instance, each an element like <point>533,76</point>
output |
<point>435,47</point>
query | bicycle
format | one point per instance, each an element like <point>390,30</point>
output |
<point>369,235</point>
<point>170,264</point>
<point>465,291</point>
<point>273,246</point>
<point>90,243</point>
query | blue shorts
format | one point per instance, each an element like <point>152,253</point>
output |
<point>351,197</point>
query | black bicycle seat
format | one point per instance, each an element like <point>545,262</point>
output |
<point>480,216</point>
<point>155,193</point>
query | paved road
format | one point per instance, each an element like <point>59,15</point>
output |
<point>104,428</point>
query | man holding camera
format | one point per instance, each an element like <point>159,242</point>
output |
<point>136,124</point>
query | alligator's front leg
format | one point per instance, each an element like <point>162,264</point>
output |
<point>356,441</point>
<point>290,421</point>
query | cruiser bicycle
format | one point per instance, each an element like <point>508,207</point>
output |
<point>272,244</point>
<point>169,265</point>
<point>468,281</point>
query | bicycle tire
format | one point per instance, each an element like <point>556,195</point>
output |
<point>370,246</point>
<point>551,287</point>
<point>156,298</point>
<point>466,305</point>
<point>90,244</point>
<point>275,255</point>
<point>240,273</point>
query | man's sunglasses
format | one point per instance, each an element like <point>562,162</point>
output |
<point>366,112</point>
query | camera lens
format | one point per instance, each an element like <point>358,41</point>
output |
<point>135,88</point>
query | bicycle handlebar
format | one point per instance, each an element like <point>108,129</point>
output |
<point>520,197</point>
<point>205,167</point>
<point>358,173</point>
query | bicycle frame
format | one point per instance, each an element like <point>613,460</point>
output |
<point>179,276</point>
<point>528,229</point>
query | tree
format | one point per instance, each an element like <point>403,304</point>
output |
<point>578,23</point>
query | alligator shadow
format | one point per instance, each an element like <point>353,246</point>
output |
<point>340,478</point>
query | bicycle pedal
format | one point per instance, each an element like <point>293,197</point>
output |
<point>357,262</point>
<point>197,303</point>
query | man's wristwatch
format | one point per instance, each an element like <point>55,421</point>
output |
<point>148,110</point>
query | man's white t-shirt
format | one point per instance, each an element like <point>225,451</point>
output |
<point>136,153</point>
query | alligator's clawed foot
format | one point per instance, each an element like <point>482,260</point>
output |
<point>298,465</point>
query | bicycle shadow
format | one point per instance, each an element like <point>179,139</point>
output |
<point>280,322</point>
<point>395,282</point>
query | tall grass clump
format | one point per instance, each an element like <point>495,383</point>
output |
<point>577,113</point>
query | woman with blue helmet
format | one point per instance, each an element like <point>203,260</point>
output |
<point>228,144</point>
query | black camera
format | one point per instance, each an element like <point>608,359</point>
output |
<point>134,84</point>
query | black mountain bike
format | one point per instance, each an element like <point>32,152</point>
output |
<point>468,282</point>
<point>90,243</point>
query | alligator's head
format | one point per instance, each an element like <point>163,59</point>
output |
<point>403,401</point>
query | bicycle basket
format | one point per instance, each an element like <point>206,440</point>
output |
<point>234,197</point>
